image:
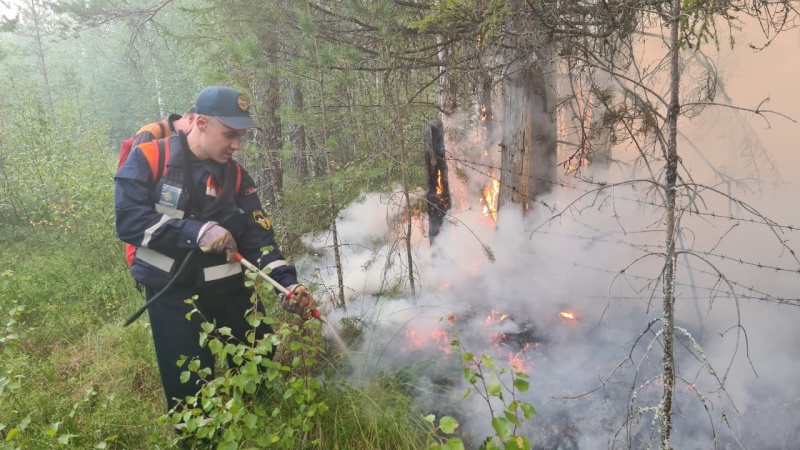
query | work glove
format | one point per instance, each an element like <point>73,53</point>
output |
<point>301,302</point>
<point>213,238</point>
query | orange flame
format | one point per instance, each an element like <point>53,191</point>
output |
<point>489,199</point>
<point>495,316</point>
<point>568,315</point>
<point>413,341</point>
<point>439,185</point>
<point>518,362</point>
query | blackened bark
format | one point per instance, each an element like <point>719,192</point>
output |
<point>438,195</point>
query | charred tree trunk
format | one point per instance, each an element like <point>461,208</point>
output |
<point>528,166</point>
<point>438,195</point>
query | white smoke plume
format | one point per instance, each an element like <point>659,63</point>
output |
<point>589,374</point>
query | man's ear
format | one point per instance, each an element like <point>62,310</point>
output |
<point>200,122</point>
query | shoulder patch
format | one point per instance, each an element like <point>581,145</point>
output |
<point>261,219</point>
<point>250,190</point>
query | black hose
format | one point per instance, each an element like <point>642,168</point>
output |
<point>141,310</point>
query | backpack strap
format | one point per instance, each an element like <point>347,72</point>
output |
<point>157,154</point>
<point>165,131</point>
<point>161,159</point>
<point>238,178</point>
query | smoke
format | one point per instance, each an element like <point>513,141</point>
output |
<point>594,378</point>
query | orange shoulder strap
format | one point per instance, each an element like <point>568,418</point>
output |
<point>163,126</point>
<point>156,158</point>
<point>238,178</point>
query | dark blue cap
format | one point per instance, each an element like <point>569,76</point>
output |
<point>226,104</point>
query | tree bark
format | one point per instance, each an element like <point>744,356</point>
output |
<point>438,195</point>
<point>528,163</point>
<point>668,314</point>
<point>297,134</point>
<point>269,170</point>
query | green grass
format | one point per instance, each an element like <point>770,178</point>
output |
<point>82,374</point>
<point>374,416</point>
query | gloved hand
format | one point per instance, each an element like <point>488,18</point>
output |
<point>213,238</point>
<point>300,303</point>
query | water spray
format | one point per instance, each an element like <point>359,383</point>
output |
<point>316,313</point>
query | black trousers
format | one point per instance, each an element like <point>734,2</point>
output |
<point>174,336</point>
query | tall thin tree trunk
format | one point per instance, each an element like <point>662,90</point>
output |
<point>668,315</point>
<point>154,66</point>
<point>331,199</point>
<point>275,133</point>
<point>260,166</point>
<point>403,173</point>
<point>297,134</point>
<point>268,168</point>
<point>37,16</point>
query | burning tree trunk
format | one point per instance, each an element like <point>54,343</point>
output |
<point>438,195</point>
<point>528,166</point>
<point>486,112</point>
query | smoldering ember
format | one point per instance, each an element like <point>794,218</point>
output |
<point>571,291</point>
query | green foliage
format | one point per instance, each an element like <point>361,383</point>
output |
<point>698,22</point>
<point>479,17</point>
<point>227,410</point>
<point>284,402</point>
<point>55,175</point>
<point>489,381</point>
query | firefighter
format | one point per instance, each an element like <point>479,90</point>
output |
<point>205,204</point>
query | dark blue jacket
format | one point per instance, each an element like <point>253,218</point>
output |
<point>163,219</point>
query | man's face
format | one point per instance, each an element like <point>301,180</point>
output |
<point>218,141</point>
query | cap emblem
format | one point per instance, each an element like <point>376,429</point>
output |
<point>242,103</point>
